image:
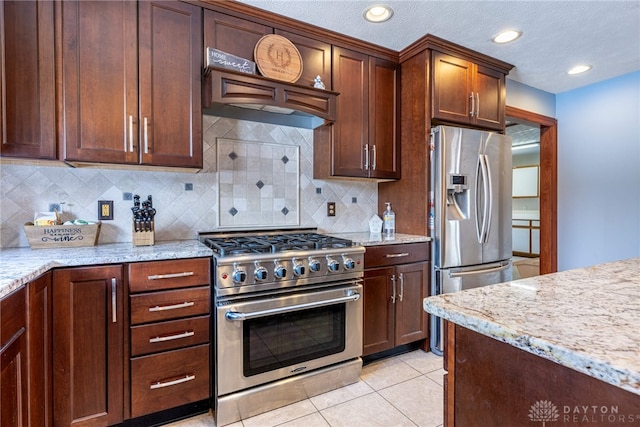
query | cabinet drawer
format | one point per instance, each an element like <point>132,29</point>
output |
<point>179,273</point>
<point>166,305</point>
<point>171,335</point>
<point>382,255</point>
<point>170,379</point>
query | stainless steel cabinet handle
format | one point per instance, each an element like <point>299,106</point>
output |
<point>401,287</point>
<point>366,156</point>
<point>160,384</point>
<point>393,287</point>
<point>401,254</point>
<point>185,334</point>
<point>170,275</point>
<point>477,104</point>
<point>146,137</point>
<point>171,307</point>
<point>130,134</point>
<point>473,104</point>
<point>375,158</point>
<point>236,315</point>
<point>114,300</point>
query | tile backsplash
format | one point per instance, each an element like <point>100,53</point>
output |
<point>187,203</point>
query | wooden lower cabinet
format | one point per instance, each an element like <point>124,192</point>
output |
<point>88,346</point>
<point>393,294</point>
<point>170,303</point>
<point>169,379</point>
<point>39,350</point>
<point>13,360</point>
<point>501,385</point>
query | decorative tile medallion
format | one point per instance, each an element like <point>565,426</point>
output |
<point>259,184</point>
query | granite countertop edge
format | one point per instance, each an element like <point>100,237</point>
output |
<point>19,266</point>
<point>608,362</point>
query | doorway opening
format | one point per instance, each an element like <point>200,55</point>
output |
<point>546,129</point>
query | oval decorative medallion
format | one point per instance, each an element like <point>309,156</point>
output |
<point>278,58</point>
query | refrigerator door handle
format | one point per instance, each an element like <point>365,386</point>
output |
<point>479,173</point>
<point>488,198</point>
<point>482,271</point>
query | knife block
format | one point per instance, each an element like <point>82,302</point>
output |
<point>143,238</point>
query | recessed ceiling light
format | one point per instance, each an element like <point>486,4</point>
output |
<point>579,69</point>
<point>378,13</point>
<point>507,36</point>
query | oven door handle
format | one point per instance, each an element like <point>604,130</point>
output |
<point>237,316</point>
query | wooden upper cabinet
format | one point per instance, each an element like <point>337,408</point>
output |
<point>363,141</point>
<point>384,85</point>
<point>112,116</point>
<point>170,50</point>
<point>351,129</point>
<point>232,35</point>
<point>27,94</point>
<point>316,59</point>
<point>467,93</point>
<point>100,80</point>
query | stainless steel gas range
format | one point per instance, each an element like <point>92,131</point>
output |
<point>288,321</point>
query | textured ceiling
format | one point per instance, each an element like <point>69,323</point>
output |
<point>556,34</point>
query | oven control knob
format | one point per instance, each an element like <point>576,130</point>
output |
<point>239,276</point>
<point>260,273</point>
<point>314,265</point>
<point>333,265</point>
<point>349,264</point>
<point>298,269</point>
<point>280,272</point>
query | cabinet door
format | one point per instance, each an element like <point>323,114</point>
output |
<point>490,102</point>
<point>316,59</point>
<point>88,346</point>
<point>170,83</point>
<point>383,126</point>
<point>351,129</point>
<point>232,35</point>
<point>39,333</point>
<point>100,80</point>
<point>378,322</point>
<point>451,88</point>
<point>13,361</point>
<point>27,92</point>
<point>411,319</point>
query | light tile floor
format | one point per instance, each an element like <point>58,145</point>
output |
<point>404,390</point>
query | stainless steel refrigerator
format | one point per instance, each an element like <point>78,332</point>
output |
<point>469,212</point>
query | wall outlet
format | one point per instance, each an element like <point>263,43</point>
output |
<point>105,210</point>
<point>331,208</point>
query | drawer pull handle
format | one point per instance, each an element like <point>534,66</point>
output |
<point>171,307</point>
<point>170,276</point>
<point>160,384</point>
<point>397,255</point>
<point>172,337</point>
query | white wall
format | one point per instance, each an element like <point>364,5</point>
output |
<point>599,172</point>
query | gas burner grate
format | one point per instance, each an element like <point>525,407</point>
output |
<point>273,243</point>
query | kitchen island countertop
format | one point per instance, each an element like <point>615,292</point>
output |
<point>18,266</point>
<point>585,319</point>
<point>375,239</point>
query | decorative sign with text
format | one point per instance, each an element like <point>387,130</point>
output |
<point>218,58</point>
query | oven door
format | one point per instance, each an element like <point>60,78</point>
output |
<point>263,339</point>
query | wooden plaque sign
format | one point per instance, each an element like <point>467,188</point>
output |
<point>278,58</point>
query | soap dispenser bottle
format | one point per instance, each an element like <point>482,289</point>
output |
<point>389,221</point>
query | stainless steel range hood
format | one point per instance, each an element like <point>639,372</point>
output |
<point>260,99</point>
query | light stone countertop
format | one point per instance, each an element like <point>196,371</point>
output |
<point>18,266</point>
<point>374,239</point>
<point>586,319</point>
